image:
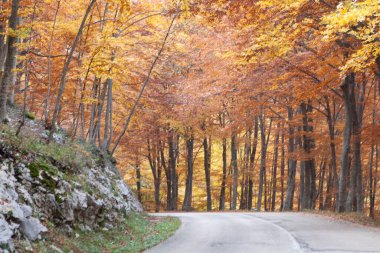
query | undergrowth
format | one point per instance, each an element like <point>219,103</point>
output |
<point>71,154</point>
<point>137,233</point>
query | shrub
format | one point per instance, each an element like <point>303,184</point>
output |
<point>30,115</point>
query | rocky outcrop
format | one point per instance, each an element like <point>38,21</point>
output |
<point>33,193</point>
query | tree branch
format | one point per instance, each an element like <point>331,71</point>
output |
<point>144,85</point>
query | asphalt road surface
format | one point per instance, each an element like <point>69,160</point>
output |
<point>266,233</point>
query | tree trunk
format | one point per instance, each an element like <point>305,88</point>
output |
<point>91,129</point>
<point>157,184</point>
<point>348,82</point>
<point>245,170</point>
<point>138,182</point>
<point>99,113</point>
<point>331,125</point>
<point>355,199</point>
<point>357,126</point>
<point>372,189</point>
<point>146,81</point>
<point>12,76</point>
<point>309,191</point>
<point>292,164</point>
<point>66,69</point>
<point>47,99</point>
<point>373,181</point>
<point>168,179</point>
<point>252,163</point>
<point>25,106</point>
<point>262,161</point>
<point>173,156</point>
<point>222,198</point>
<point>301,189</point>
<point>10,61</point>
<point>274,173</point>
<point>329,188</point>
<point>322,174</point>
<point>3,48</point>
<point>187,202</point>
<point>207,167</point>
<point>234,166</point>
<point>155,163</point>
<point>282,170</point>
<point>108,119</point>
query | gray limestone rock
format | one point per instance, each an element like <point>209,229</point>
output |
<point>31,228</point>
<point>6,232</point>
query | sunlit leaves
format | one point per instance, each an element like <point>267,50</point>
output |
<point>361,20</point>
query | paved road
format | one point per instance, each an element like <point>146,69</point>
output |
<point>266,233</point>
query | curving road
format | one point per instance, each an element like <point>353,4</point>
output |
<point>266,233</point>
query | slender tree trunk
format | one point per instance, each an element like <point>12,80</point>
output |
<point>373,181</point>
<point>222,198</point>
<point>331,125</point>
<point>99,113</point>
<point>26,74</point>
<point>266,192</point>
<point>309,191</point>
<point>329,187</point>
<point>157,183</point>
<point>173,156</point>
<point>322,174</point>
<point>357,126</point>
<point>9,61</point>
<point>124,130</point>
<point>292,164</point>
<point>274,173</point>
<point>230,186</point>
<point>66,69</point>
<point>234,166</point>
<point>91,129</point>
<point>262,175</point>
<point>282,170</point>
<point>252,162</point>
<point>372,189</point>
<point>47,99</point>
<point>108,118</point>
<point>301,189</point>
<point>187,202</point>
<point>245,169</point>
<point>24,110</point>
<point>3,46</point>
<point>168,179</point>
<point>155,163</point>
<point>138,182</point>
<point>207,167</point>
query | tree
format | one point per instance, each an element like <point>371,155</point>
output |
<point>10,60</point>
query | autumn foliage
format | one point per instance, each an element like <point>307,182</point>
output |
<point>209,105</point>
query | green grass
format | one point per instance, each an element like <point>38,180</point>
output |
<point>139,232</point>
<point>72,155</point>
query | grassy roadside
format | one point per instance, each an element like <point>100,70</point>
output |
<point>139,232</point>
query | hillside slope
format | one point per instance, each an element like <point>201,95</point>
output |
<point>70,186</point>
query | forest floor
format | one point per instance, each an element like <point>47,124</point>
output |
<point>139,232</point>
<point>353,217</point>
